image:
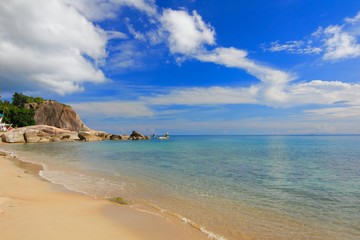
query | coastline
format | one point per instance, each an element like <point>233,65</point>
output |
<point>286,203</point>
<point>33,208</point>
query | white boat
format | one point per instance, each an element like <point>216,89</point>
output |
<point>166,137</point>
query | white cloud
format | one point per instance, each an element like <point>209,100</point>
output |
<point>127,56</point>
<point>43,44</point>
<point>353,20</point>
<point>187,33</point>
<point>335,42</point>
<point>48,44</point>
<point>205,96</point>
<point>340,44</point>
<point>294,47</point>
<point>232,57</point>
<point>117,109</point>
<point>340,41</point>
<point>316,92</point>
<point>273,80</point>
<point>136,34</point>
<point>336,112</point>
<point>324,92</point>
<point>115,35</point>
<point>98,10</point>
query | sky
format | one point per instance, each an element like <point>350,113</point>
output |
<point>189,66</point>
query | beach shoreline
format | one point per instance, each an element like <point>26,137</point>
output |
<point>186,188</point>
<point>33,208</point>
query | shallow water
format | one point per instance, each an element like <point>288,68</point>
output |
<point>238,187</point>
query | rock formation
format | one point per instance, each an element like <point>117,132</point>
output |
<point>136,136</point>
<point>44,134</point>
<point>59,115</point>
<point>38,134</point>
<point>59,122</point>
<point>91,136</point>
<point>116,137</point>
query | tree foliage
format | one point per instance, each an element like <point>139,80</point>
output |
<point>16,113</point>
<point>20,99</point>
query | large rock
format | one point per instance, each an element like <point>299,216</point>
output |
<point>13,137</point>
<point>89,136</point>
<point>136,136</point>
<point>31,136</point>
<point>103,135</point>
<point>125,137</point>
<point>53,113</point>
<point>119,137</point>
<point>38,134</point>
<point>115,137</point>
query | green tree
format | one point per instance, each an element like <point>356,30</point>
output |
<point>38,100</point>
<point>15,112</point>
<point>19,117</point>
<point>22,117</point>
<point>20,99</point>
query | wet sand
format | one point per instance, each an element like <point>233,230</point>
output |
<point>32,208</point>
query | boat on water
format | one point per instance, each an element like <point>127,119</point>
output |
<point>165,137</point>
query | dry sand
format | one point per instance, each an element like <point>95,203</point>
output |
<point>32,208</point>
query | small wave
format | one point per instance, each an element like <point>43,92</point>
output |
<point>188,221</point>
<point>83,183</point>
<point>212,235</point>
<point>43,175</point>
<point>137,208</point>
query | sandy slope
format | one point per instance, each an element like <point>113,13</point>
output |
<point>32,208</point>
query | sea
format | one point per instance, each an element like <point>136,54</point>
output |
<point>228,187</point>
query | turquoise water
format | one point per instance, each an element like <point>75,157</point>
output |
<point>237,187</point>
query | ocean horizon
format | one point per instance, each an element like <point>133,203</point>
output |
<point>299,186</point>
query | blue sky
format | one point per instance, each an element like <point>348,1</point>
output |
<point>189,66</point>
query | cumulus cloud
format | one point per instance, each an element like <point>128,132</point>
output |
<point>340,41</point>
<point>98,10</point>
<point>325,92</point>
<point>273,80</point>
<point>47,44</point>
<point>187,33</point>
<point>334,42</point>
<point>52,44</point>
<point>353,20</point>
<point>232,57</point>
<point>340,44</point>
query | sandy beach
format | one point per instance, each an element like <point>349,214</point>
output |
<point>32,208</point>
